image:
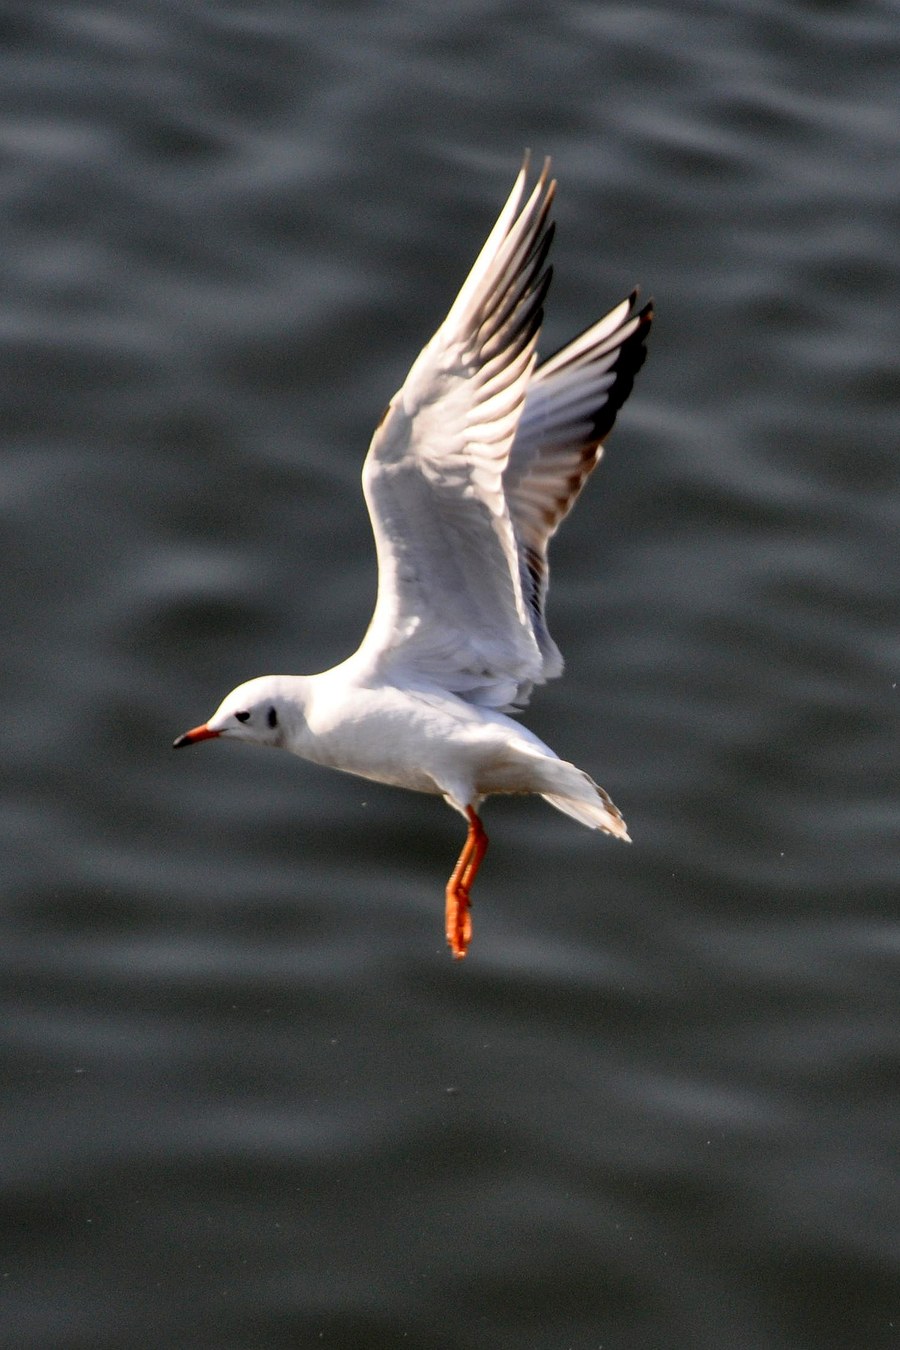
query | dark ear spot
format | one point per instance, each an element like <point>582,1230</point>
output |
<point>242,716</point>
<point>272,717</point>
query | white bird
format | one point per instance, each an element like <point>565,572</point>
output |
<point>476,461</point>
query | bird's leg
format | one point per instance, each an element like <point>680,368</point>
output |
<point>458,912</point>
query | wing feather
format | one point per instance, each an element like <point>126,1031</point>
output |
<point>478,459</point>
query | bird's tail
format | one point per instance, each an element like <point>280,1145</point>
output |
<point>585,801</point>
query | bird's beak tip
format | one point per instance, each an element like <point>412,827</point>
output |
<point>191,737</point>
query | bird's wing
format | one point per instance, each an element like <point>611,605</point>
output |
<point>570,409</point>
<point>451,608</point>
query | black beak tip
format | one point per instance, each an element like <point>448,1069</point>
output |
<point>180,741</point>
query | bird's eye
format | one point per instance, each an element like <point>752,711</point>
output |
<point>272,717</point>
<point>242,716</point>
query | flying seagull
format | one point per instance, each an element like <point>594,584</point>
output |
<point>477,460</point>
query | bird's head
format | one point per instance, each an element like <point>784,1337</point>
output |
<point>256,711</point>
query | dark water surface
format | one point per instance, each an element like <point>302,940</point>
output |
<point>249,1100</point>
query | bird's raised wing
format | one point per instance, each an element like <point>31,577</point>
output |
<point>451,608</point>
<point>477,461</point>
<point>570,409</point>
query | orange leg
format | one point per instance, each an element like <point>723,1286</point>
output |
<point>458,912</point>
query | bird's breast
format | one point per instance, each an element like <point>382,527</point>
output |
<point>383,734</point>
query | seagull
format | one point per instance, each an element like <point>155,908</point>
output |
<point>476,461</point>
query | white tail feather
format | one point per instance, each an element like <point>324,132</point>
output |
<point>594,809</point>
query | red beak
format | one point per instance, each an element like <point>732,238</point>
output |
<point>191,737</point>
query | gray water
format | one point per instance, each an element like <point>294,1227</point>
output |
<point>249,1100</point>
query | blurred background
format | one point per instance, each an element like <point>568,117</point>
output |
<point>249,1101</point>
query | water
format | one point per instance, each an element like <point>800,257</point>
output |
<point>249,1100</point>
